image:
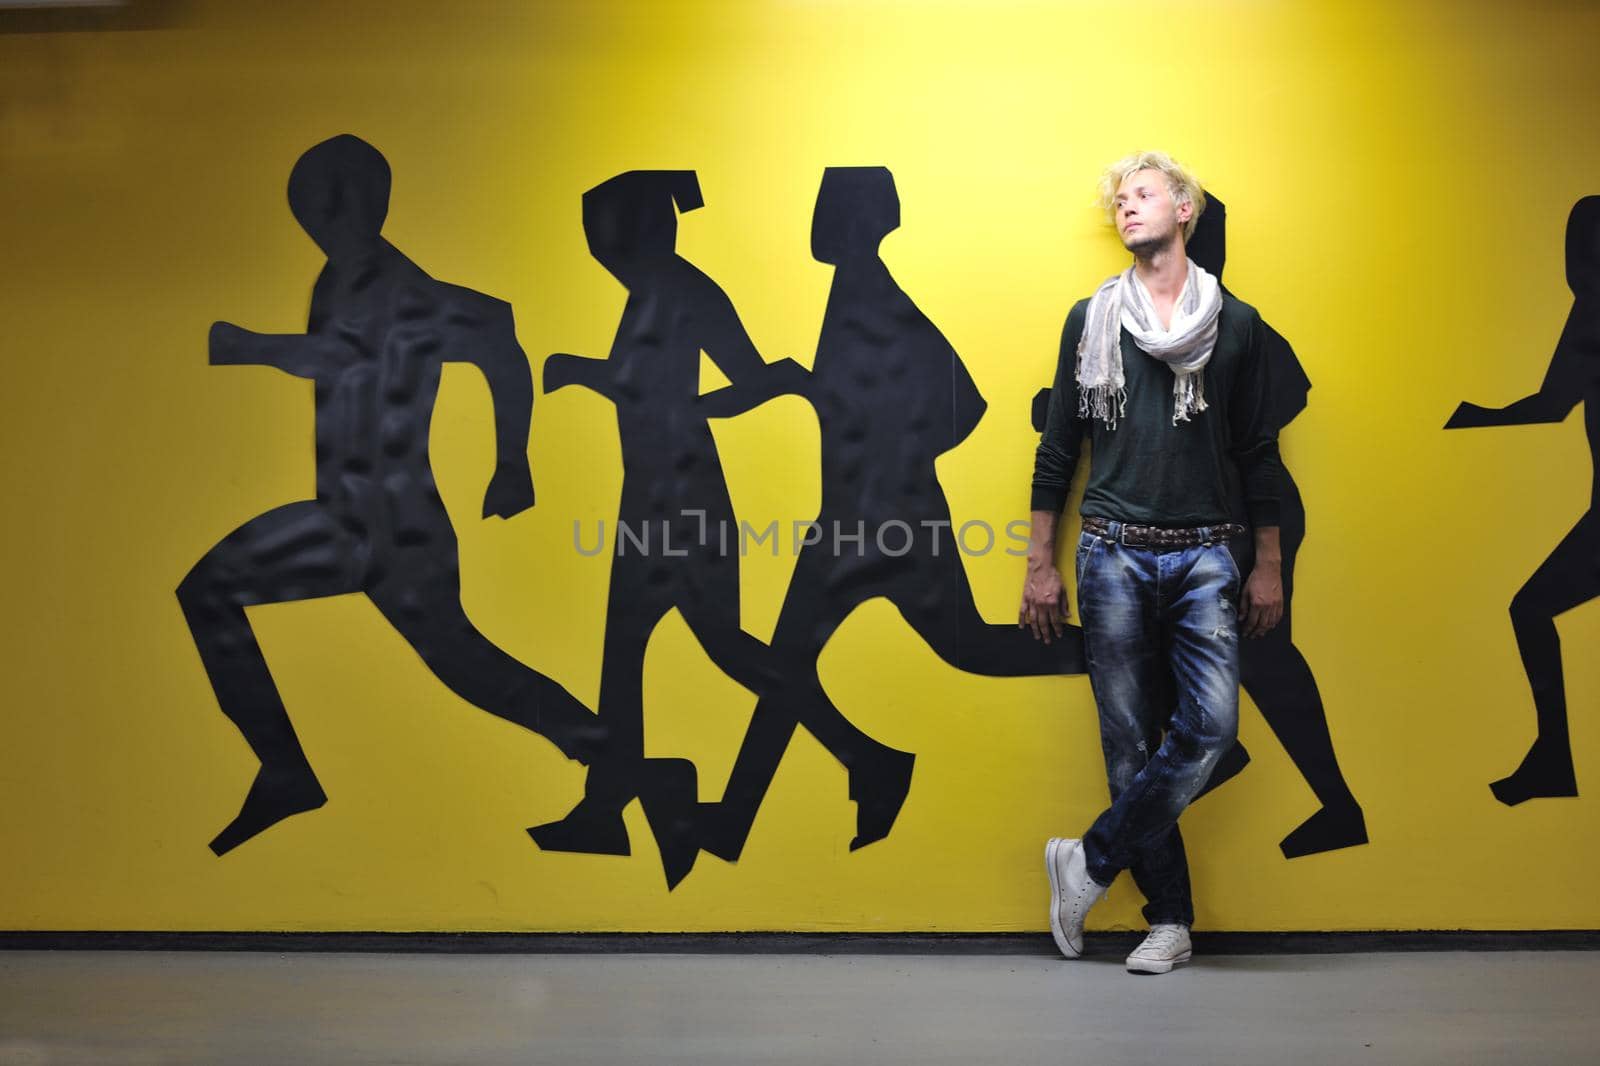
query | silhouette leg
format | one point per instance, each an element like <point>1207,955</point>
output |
<point>1229,766</point>
<point>421,598</point>
<point>595,825</point>
<point>1280,681</point>
<point>879,776</point>
<point>1569,577</point>
<point>296,552</point>
<point>1278,678</point>
<point>726,825</point>
<point>784,677</point>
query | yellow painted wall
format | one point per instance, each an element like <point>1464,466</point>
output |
<point>1398,178</point>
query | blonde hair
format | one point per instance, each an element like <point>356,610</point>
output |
<point>1184,186</point>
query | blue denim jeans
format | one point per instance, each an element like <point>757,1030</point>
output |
<point>1160,630</point>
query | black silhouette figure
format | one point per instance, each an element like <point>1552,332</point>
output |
<point>674,500</point>
<point>1571,575</point>
<point>891,395</point>
<point>1271,668</point>
<point>378,332</point>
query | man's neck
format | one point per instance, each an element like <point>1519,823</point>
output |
<point>1163,274</point>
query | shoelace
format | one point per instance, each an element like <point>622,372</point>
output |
<point>1164,939</point>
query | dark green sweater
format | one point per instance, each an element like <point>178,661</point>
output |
<point>1150,471</point>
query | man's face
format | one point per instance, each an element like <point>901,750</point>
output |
<point>1147,219</point>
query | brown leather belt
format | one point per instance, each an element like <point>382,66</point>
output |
<point>1161,537</point>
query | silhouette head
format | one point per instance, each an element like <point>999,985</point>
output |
<point>1208,246</point>
<point>339,193</point>
<point>1583,248</point>
<point>1286,379</point>
<point>633,218</point>
<point>857,207</point>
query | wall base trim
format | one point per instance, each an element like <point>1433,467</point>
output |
<point>1210,943</point>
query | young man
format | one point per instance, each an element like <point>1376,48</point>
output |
<point>1162,374</point>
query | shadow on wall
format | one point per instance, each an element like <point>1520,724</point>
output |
<point>1571,575</point>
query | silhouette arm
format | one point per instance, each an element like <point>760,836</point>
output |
<point>1560,392</point>
<point>562,370</point>
<point>752,380</point>
<point>490,344</point>
<point>777,379</point>
<point>724,339</point>
<point>304,355</point>
<point>1287,384</point>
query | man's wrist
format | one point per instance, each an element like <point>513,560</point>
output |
<point>1269,553</point>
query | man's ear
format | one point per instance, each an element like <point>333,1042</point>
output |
<point>1186,211</point>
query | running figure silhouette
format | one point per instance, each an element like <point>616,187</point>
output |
<point>674,500</point>
<point>378,333</point>
<point>891,396</point>
<point>1571,574</point>
<point>1272,669</point>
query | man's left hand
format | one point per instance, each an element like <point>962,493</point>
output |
<point>1262,600</point>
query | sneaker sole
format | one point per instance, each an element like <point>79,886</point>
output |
<point>1157,965</point>
<point>1050,848</point>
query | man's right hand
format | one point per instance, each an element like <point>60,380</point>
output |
<point>1044,602</point>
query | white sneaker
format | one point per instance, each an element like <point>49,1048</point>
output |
<point>1164,948</point>
<point>1072,893</point>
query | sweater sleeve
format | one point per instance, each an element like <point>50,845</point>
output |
<point>1253,432</point>
<point>1062,440</point>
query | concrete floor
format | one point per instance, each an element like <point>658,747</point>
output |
<point>158,1007</point>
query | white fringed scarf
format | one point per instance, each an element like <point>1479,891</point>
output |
<point>1186,347</point>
